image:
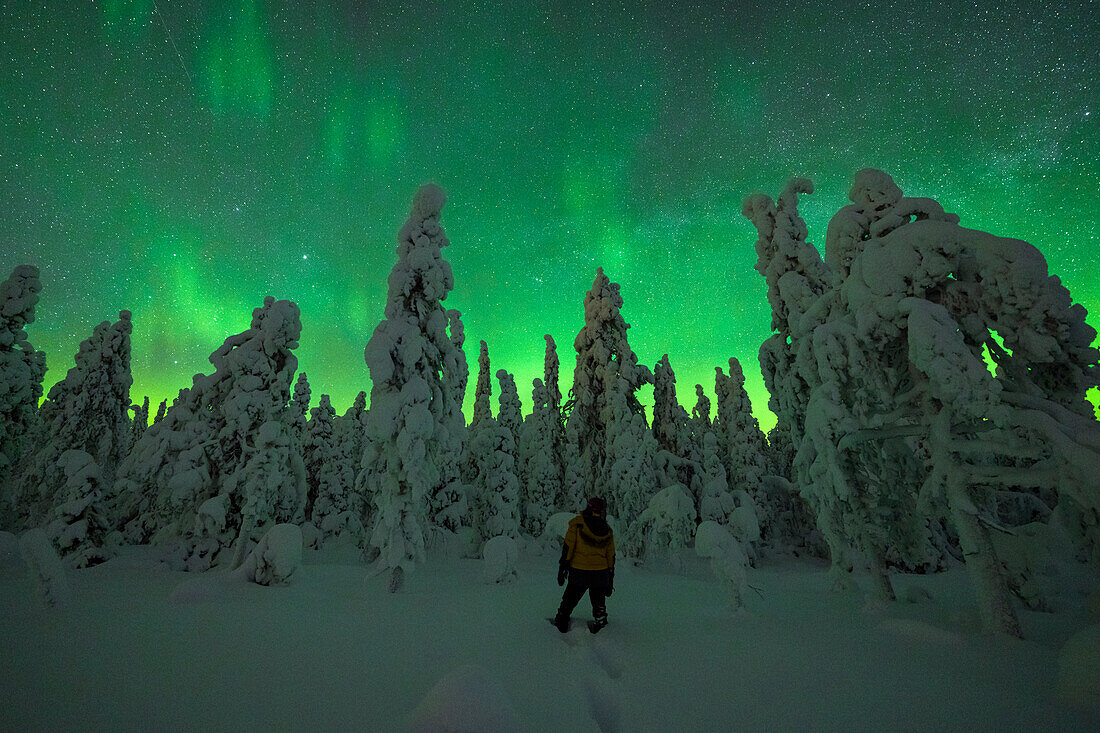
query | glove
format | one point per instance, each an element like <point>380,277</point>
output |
<point>563,573</point>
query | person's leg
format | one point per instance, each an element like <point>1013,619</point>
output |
<point>597,593</point>
<point>574,591</point>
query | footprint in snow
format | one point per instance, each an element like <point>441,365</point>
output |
<point>607,660</point>
<point>602,707</point>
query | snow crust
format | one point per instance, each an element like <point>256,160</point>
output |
<point>662,664</point>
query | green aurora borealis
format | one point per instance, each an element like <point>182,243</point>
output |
<point>185,159</point>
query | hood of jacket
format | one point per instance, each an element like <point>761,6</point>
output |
<point>595,528</point>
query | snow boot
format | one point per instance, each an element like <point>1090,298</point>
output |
<point>562,623</point>
<point>598,622</point>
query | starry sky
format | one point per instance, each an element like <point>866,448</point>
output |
<point>183,159</point>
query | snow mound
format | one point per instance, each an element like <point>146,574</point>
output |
<point>1079,669</point>
<point>727,557</point>
<point>465,700</point>
<point>46,567</point>
<point>556,527</point>
<point>277,556</point>
<point>501,555</point>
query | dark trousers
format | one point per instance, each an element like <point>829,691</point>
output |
<point>595,583</point>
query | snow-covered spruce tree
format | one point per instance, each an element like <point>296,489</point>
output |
<point>21,372</point>
<point>408,464</point>
<point>140,420</point>
<point>798,282</point>
<point>716,501</point>
<point>929,299</point>
<point>551,368</point>
<point>741,441</point>
<point>668,523</point>
<point>473,457</point>
<point>160,411</point>
<point>510,415</point>
<point>491,459</point>
<point>670,419</point>
<point>541,450</point>
<point>319,454</point>
<point>79,528</point>
<point>897,372</point>
<point>449,508</point>
<point>351,432</point>
<point>217,469</point>
<point>543,471</point>
<point>634,478</point>
<point>483,390</point>
<point>677,458</point>
<point>495,484</point>
<point>88,410</point>
<point>700,423</point>
<point>606,367</point>
<point>339,509</point>
<point>298,409</point>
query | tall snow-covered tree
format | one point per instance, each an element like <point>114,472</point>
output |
<point>217,470</point>
<point>893,362</point>
<point>448,509</point>
<point>298,409</point>
<point>339,509</point>
<point>494,483</point>
<point>511,412</point>
<point>670,419</point>
<point>320,452</point>
<point>715,501</point>
<point>79,527</point>
<point>797,280</point>
<point>22,369</point>
<point>490,459</point>
<point>605,380</point>
<point>161,411</point>
<point>483,390</point>
<point>700,423</point>
<point>740,440</point>
<point>541,447</point>
<point>88,410</point>
<point>472,458</point>
<point>634,478</point>
<point>408,465</point>
<point>140,420</point>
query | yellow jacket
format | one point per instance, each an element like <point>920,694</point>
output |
<point>589,543</point>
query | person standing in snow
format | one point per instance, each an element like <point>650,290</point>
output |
<point>588,561</point>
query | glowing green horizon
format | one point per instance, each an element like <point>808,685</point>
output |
<point>183,161</point>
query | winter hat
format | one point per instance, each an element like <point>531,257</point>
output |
<point>597,505</point>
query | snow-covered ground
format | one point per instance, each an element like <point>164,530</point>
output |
<point>137,647</point>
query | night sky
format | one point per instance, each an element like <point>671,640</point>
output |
<point>185,159</point>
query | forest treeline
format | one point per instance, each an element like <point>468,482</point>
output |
<point>930,384</point>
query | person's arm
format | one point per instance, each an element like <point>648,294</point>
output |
<point>567,546</point>
<point>611,565</point>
